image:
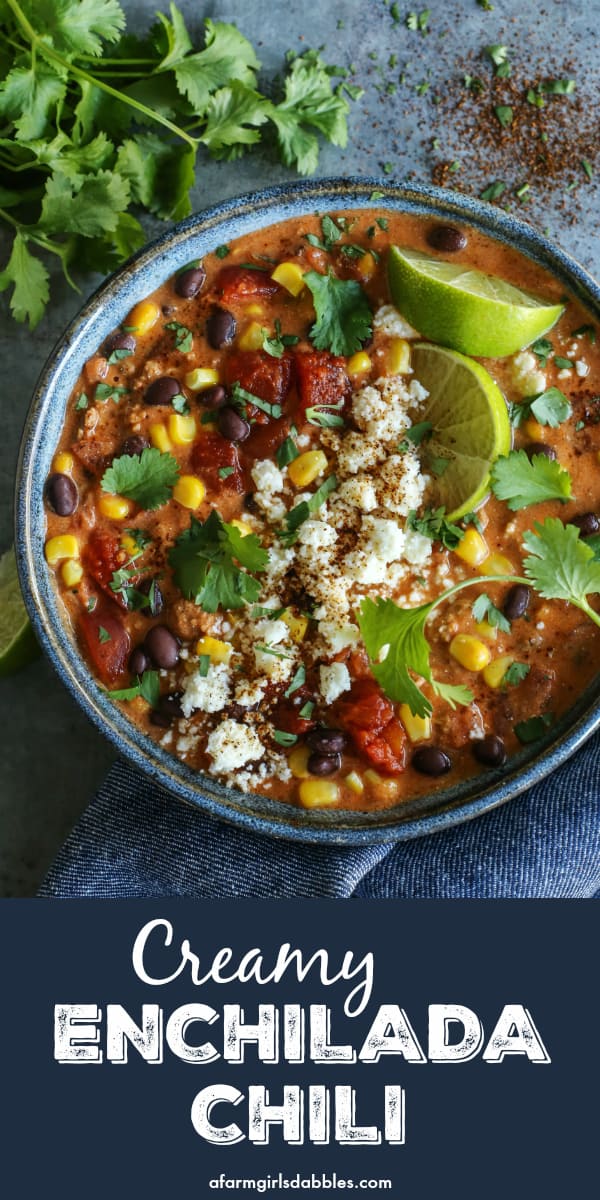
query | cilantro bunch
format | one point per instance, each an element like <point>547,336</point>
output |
<point>96,121</point>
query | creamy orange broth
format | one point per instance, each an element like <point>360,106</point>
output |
<point>557,642</point>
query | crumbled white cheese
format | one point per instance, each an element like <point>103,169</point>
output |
<point>209,693</point>
<point>334,680</point>
<point>417,548</point>
<point>365,568</point>
<point>581,368</point>
<point>338,637</point>
<point>358,492</point>
<point>316,535</point>
<point>381,410</point>
<point>358,453</point>
<point>249,693</point>
<point>400,486</point>
<point>388,320</point>
<point>267,477</point>
<point>231,745</point>
<point>527,377</point>
<point>383,538</point>
<point>280,560</point>
<point>272,506</point>
<point>417,392</point>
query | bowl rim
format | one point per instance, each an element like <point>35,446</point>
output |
<point>261,814</point>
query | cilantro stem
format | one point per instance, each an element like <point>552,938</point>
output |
<point>458,587</point>
<point>53,56</point>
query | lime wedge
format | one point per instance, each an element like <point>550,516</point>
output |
<point>465,309</point>
<point>17,642</point>
<point>470,426</point>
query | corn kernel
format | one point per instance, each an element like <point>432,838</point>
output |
<point>367,265</point>
<point>382,788</point>
<point>182,428</point>
<point>318,793</point>
<point>487,631</point>
<point>297,762</point>
<point>189,491</point>
<point>143,317</point>
<point>290,276</point>
<point>129,545</point>
<point>252,337</point>
<point>472,654</point>
<point>305,469</point>
<point>72,572</point>
<point>534,430</point>
<point>201,378</point>
<point>296,625</point>
<point>242,526</point>
<point>116,508</point>
<point>218,652</point>
<point>417,728</point>
<point>254,310</point>
<point>398,357</point>
<point>355,783</point>
<point>472,548</point>
<point>160,437</point>
<point>496,670</point>
<point>63,546</point>
<point>359,364</point>
<point>496,564</point>
<point>63,462</point>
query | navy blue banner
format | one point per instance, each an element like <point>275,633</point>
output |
<point>414,1049</point>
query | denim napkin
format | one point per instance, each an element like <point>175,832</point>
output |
<point>136,841</point>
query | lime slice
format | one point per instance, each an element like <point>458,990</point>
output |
<point>465,309</point>
<point>470,426</point>
<point>17,642</point>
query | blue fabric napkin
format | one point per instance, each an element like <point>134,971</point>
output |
<point>136,841</point>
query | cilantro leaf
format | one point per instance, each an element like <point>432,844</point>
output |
<point>561,565</point>
<point>533,728</point>
<point>177,38</point>
<point>548,408</point>
<point>147,686</point>
<point>343,314</point>
<point>433,524</point>
<point>90,207</point>
<point>276,345</point>
<point>30,281</point>
<point>159,173</point>
<point>298,515</point>
<point>287,452</point>
<point>415,435</point>
<point>383,624</point>
<point>227,56</point>
<point>183,338</point>
<point>78,26</point>
<point>484,610</point>
<point>515,674</point>
<point>232,116</point>
<point>309,103</point>
<point>205,562</point>
<point>521,482</point>
<point>148,478</point>
<point>29,98</point>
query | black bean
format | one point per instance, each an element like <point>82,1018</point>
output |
<point>516,601</point>
<point>62,494</point>
<point>189,282</point>
<point>134,445</point>
<point>533,448</point>
<point>327,741</point>
<point>138,661</point>
<point>250,503</point>
<point>170,706</point>
<point>490,751</point>
<point>162,390</point>
<point>162,646</point>
<point>119,341</point>
<point>150,588</point>
<point>160,719</point>
<point>587,524</point>
<point>323,764</point>
<point>231,425</point>
<point>213,397</point>
<point>221,328</point>
<point>430,760</point>
<point>447,238</point>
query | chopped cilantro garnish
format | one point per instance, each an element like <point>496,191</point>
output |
<point>120,353</point>
<point>183,336</point>
<point>108,391</point>
<point>298,681</point>
<point>433,524</point>
<point>558,87</point>
<point>415,435</point>
<point>307,710</point>
<point>275,345</point>
<point>472,519</point>
<point>533,728</point>
<point>286,453</point>
<point>515,674</point>
<point>582,330</point>
<point>283,738</point>
<point>564,364</point>
<point>240,398</point>
<point>148,478</point>
<point>587,166</point>
<point>343,314</point>
<point>147,686</point>
<point>484,610</point>
<point>542,348</point>
<point>91,604</point>
<point>298,515</point>
<point>548,408</point>
<point>326,418</point>
<point>140,537</point>
<point>418,21</point>
<point>504,114</point>
<point>203,665</point>
<point>499,57</point>
<point>493,191</point>
<point>222,251</point>
<point>180,405</point>
<point>81,403</point>
<point>521,482</point>
<point>225,472</point>
<point>212,562</point>
<point>103,635</point>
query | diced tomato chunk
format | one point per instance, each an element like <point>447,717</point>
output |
<point>213,453</point>
<point>286,714</point>
<point>370,719</point>
<point>242,283</point>
<point>322,381</point>
<point>264,376</point>
<point>264,440</point>
<point>107,643</point>
<point>101,557</point>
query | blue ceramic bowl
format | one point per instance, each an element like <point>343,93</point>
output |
<point>190,240</point>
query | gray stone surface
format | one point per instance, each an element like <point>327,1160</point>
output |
<point>52,759</point>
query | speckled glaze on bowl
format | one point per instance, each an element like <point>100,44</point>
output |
<point>189,240</point>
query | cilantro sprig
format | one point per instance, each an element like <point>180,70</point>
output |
<point>104,122</point>
<point>148,478</point>
<point>521,481</point>
<point>147,686</point>
<point>548,408</point>
<point>343,315</point>
<point>212,564</point>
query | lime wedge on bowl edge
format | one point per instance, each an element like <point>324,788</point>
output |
<point>17,641</point>
<point>470,423</point>
<point>465,309</point>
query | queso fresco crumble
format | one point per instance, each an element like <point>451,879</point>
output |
<point>244,514</point>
